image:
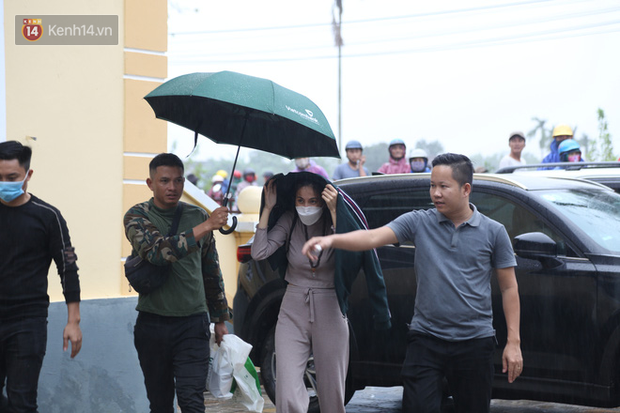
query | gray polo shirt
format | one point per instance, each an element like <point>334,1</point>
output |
<point>453,268</point>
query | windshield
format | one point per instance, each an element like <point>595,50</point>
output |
<point>597,213</point>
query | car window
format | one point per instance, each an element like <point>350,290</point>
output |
<point>597,213</point>
<point>516,219</point>
<point>382,208</point>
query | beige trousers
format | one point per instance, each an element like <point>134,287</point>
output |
<point>310,322</point>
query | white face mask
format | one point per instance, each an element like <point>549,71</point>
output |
<point>309,215</point>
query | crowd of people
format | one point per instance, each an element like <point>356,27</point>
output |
<point>563,148</point>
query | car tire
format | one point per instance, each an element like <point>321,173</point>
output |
<point>268,375</point>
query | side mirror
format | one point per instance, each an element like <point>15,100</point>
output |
<point>537,246</point>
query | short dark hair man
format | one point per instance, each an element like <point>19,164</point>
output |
<point>516,142</point>
<point>451,334</point>
<point>32,234</point>
<point>355,165</point>
<point>171,334</point>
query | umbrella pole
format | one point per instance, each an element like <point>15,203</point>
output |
<point>232,176</point>
<point>226,197</point>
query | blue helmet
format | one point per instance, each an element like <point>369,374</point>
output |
<point>567,146</point>
<point>353,145</point>
<point>397,142</point>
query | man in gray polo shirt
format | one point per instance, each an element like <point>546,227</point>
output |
<point>451,334</point>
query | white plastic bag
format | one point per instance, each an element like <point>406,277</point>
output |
<point>230,361</point>
<point>247,391</point>
<point>220,375</point>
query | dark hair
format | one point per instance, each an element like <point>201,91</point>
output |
<point>10,150</point>
<point>462,169</point>
<point>165,159</point>
<point>318,188</point>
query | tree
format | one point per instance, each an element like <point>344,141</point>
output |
<point>545,134</point>
<point>602,147</point>
<point>376,155</point>
<point>585,143</point>
<point>432,149</point>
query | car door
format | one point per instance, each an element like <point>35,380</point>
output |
<point>558,298</point>
<point>381,353</point>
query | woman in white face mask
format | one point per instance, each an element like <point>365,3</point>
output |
<point>310,320</point>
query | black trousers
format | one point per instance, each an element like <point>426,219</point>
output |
<point>22,348</point>
<point>174,354</point>
<point>467,366</point>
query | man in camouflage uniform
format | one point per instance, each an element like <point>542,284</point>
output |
<point>171,333</point>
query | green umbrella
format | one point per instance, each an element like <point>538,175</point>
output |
<point>237,109</point>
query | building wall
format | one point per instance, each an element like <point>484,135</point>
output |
<point>81,109</point>
<point>70,98</point>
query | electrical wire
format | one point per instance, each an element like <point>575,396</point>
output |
<point>378,19</point>
<point>526,36</point>
<point>425,35</point>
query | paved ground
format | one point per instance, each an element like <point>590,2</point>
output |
<point>387,400</point>
<point>231,406</point>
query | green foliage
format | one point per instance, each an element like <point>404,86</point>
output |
<point>432,149</point>
<point>376,155</point>
<point>585,143</point>
<point>602,147</point>
<point>545,133</point>
<point>489,163</point>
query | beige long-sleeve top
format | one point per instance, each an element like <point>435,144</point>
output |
<point>299,271</point>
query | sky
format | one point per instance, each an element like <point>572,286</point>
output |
<point>466,74</point>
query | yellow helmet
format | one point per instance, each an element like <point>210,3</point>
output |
<point>562,130</point>
<point>222,173</point>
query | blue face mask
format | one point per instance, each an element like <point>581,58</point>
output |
<point>418,166</point>
<point>11,190</point>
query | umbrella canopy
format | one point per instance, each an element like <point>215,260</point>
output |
<point>237,109</point>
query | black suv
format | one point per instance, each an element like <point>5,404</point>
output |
<point>566,235</point>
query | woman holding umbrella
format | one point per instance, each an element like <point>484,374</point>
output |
<point>312,318</point>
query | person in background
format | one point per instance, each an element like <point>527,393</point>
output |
<point>236,180</point>
<point>458,252</point>
<point>32,234</point>
<point>569,151</point>
<point>418,161</point>
<point>193,179</point>
<point>308,165</point>
<point>171,334</point>
<point>216,192</point>
<point>226,181</point>
<point>397,163</point>
<point>560,134</point>
<point>355,167</point>
<point>267,175</point>
<point>249,179</point>
<point>516,142</point>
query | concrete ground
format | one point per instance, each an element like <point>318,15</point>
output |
<point>388,400</point>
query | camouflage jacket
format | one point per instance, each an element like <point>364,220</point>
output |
<point>147,240</point>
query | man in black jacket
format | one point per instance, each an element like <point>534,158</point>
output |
<point>33,233</point>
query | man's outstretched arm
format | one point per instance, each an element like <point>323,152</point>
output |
<point>360,240</point>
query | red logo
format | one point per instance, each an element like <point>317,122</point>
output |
<point>32,29</point>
